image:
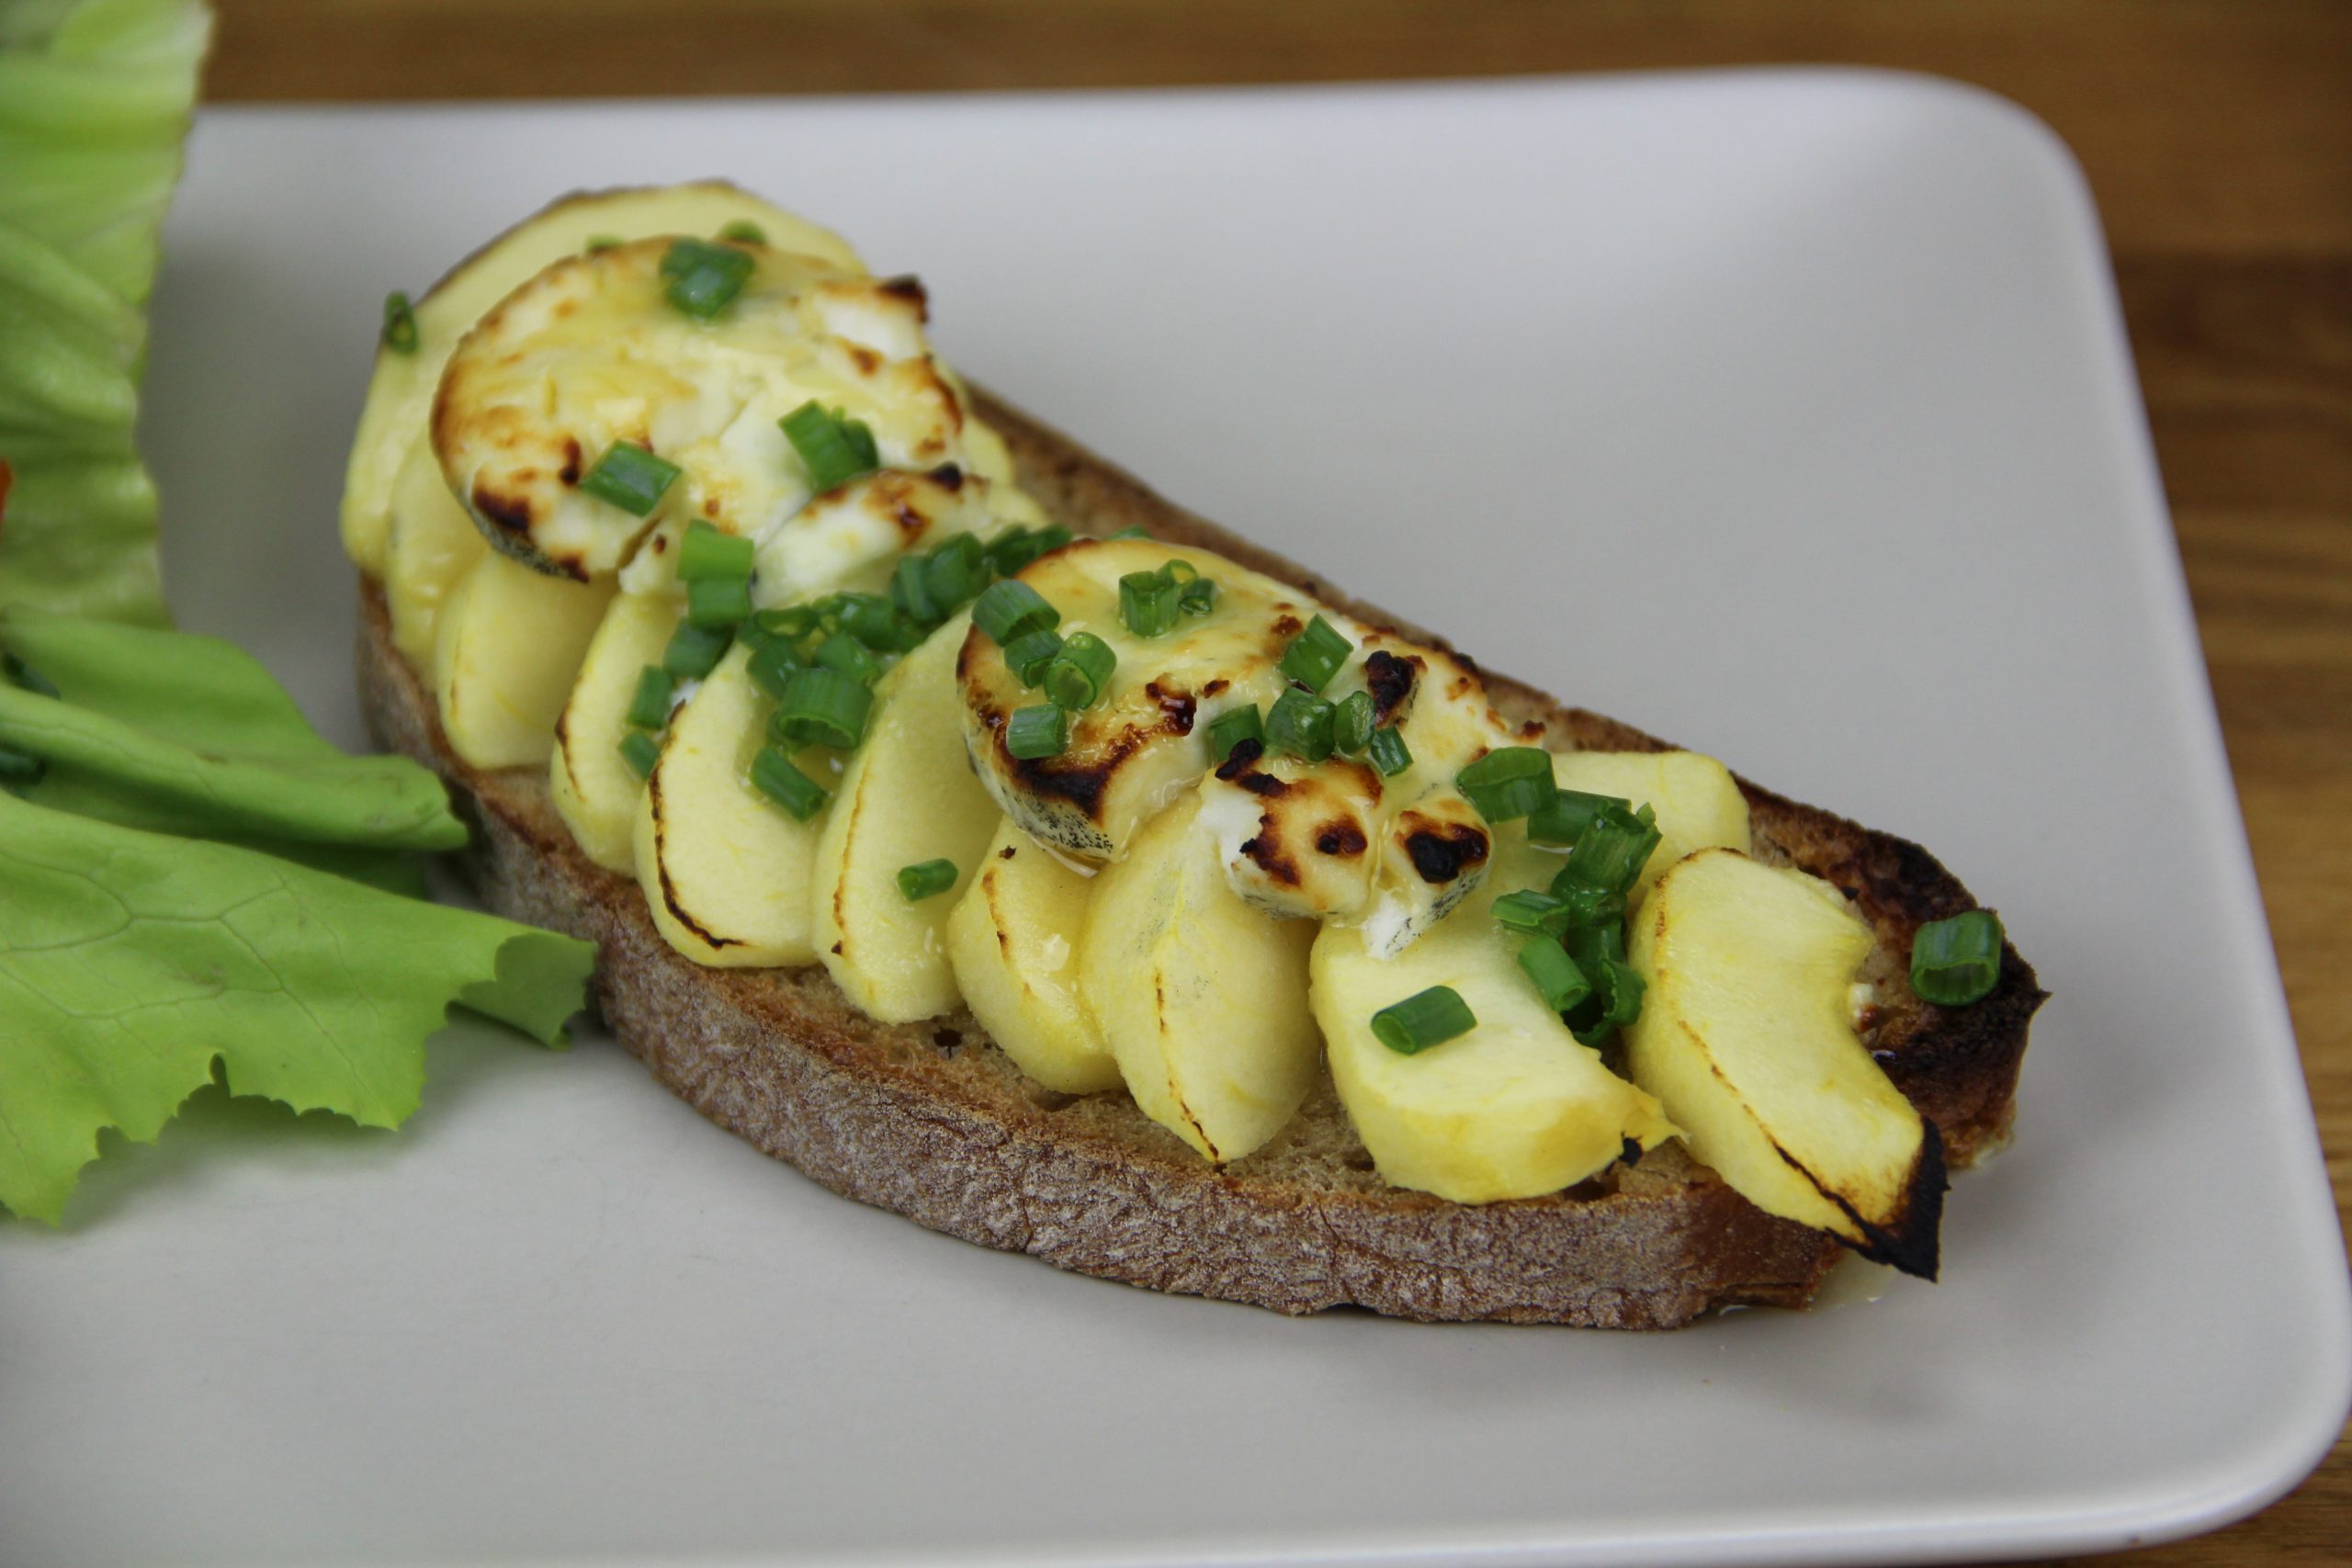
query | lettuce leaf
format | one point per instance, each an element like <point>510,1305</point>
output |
<point>95,100</point>
<point>132,965</point>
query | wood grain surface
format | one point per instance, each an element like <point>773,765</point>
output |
<point>2217,135</point>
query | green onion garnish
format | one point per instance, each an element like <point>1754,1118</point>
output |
<point>1230,728</point>
<point>631,477</point>
<point>1300,725</point>
<point>793,621</point>
<point>1616,998</point>
<point>822,708</point>
<point>1509,782</point>
<point>1569,812</point>
<point>833,447</point>
<point>1388,752</point>
<point>872,619</point>
<point>640,751</point>
<point>744,233</point>
<point>1014,549</point>
<point>1198,598</point>
<point>844,652</point>
<point>771,666</point>
<point>1078,675</point>
<point>602,243</point>
<point>954,571</point>
<point>649,706</point>
<point>1147,603</point>
<point>1424,1018</point>
<point>399,323</point>
<point>719,601</point>
<point>911,591</point>
<point>1010,609</point>
<point>1594,946</point>
<point>775,776</point>
<point>926,880</point>
<point>704,278</point>
<point>1180,572</point>
<point>1531,911</point>
<point>1582,906</point>
<point>1352,727</point>
<point>1027,655</point>
<point>1611,853</point>
<point>1039,731</point>
<point>706,552</point>
<point>1315,654</point>
<point>1562,983</point>
<point>1957,961</point>
<point>695,651</point>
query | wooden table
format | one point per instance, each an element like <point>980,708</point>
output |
<point>2217,134</point>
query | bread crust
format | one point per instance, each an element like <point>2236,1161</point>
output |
<point>932,1120</point>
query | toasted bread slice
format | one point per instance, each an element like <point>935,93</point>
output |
<point>933,1121</point>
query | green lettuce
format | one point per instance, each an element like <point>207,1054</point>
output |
<point>195,885</point>
<point>94,99</point>
<point>133,966</point>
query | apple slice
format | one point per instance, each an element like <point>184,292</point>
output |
<point>1697,801</point>
<point>433,544</point>
<point>595,792</point>
<point>909,797</point>
<point>1012,938</point>
<point>1202,998</point>
<point>1515,1108</point>
<point>726,873</point>
<point>1746,1039</point>
<point>506,647</point>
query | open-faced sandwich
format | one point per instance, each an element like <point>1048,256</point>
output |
<point>1001,845</point>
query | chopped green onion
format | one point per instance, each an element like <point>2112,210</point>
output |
<point>793,621</point>
<point>1583,906</point>
<point>1010,609</point>
<point>1300,725</point>
<point>640,751</point>
<point>1957,961</point>
<point>775,776</point>
<point>771,666</point>
<point>822,708</point>
<point>1180,572</point>
<point>706,552</point>
<point>1147,603</point>
<point>1230,728</point>
<point>602,243</point>
<point>399,323</point>
<point>844,652</point>
<point>1039,731</point>
<point>1570,811</point>
<point>873,620</point>
<point>926,880</point>
<point>1198,597</point>
<point>1132,531</point>
<point>1509,782</point>
<point>1611,853</point>
<point>649,706</point>
<point>1592,946</point>
<point>1353,726</point>
<point>1027,655</point>
<point>1388,752</point>
<point>1078,675</point>
<point>704,278</point>
<point>1616,1000</point>
<point>1315,654</point>
<point>1562,983</point>
<point>744,233</point>
<point>911,591</point>
<point>695,651</point>
<point>954,571</point>
<point>1014,549</point>
<point>1531,911</point>
<point>1423,1020</point>
<point>629,477</point>
<point>719,601</point>
<point>833,447</point>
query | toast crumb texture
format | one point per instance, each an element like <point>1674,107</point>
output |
<point>932,1120</point>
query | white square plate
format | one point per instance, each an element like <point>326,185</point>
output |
<point>1785,414</point>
